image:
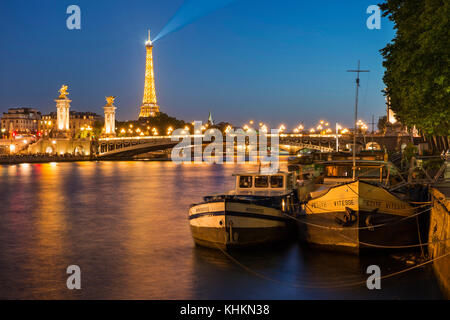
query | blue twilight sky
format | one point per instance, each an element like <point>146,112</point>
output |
<point>267,60</point>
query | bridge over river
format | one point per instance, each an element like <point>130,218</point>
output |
<point>111,148</point>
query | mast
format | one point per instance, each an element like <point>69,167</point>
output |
<point>358,71</point>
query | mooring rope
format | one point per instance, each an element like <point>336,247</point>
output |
<point>370,244</point>
<point>341,285</point>
<point>395,247</point>
<point>420,237</point>
<point>356,228</point>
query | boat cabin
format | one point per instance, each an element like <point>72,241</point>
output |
<point>367,170</point>
<point>259,184</point>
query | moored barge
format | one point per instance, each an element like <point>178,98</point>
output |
<point>351,215</point>
<point>255,213</point>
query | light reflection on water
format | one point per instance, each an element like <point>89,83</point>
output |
<point>125,224</point>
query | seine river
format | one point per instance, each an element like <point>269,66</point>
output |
<point>125,225</point>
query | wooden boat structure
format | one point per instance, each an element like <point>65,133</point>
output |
<point>255,213</point>
<point>321,203</point>
<point>350,215</point>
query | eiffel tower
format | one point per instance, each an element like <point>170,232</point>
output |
<point>149,106</point>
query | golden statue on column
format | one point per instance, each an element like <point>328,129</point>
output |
<point>63,109</point>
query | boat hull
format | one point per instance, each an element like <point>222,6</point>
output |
<point>325,230</point>
<point>228,225</point>
<point>356,216</point>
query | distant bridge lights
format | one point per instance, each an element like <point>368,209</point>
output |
<point>321,129</point>
<point>228,129</point>
<point>361,125</point>
<point>282,128</point>
<point>264,128</point>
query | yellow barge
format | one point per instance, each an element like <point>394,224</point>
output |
<point>351,215</point>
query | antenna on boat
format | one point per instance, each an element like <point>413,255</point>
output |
<point>358,71</point>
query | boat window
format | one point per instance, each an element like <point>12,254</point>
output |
<point>245,182</point>
<point>261,182</point>
<point>276,181</point>
<point>361,171</point>
<point>339,171</point>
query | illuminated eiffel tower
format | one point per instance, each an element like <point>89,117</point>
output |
<point>149,106</point>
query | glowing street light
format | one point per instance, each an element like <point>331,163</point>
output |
<point>264,128</point>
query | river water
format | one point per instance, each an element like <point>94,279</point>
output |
<point>125,225</point>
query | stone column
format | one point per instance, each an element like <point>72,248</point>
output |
<point>63,114</point>
<point>63,110</point>
<point>110,117</point>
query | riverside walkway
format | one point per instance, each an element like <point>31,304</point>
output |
<point>41,158</point>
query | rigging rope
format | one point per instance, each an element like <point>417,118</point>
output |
<point>341,285</point>
<point>356,228</point>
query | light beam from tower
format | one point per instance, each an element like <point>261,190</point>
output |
<point>149,106</point>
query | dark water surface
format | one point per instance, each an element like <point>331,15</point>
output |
<point>125,224</point>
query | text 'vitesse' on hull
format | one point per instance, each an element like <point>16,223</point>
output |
<point>358,215</point>
<point>231,224</point>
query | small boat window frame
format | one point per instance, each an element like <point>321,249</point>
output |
<point>278,185</point>
<point>259,186</point>
<point>249,180</point>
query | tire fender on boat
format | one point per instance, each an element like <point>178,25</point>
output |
<point>369,220</point>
